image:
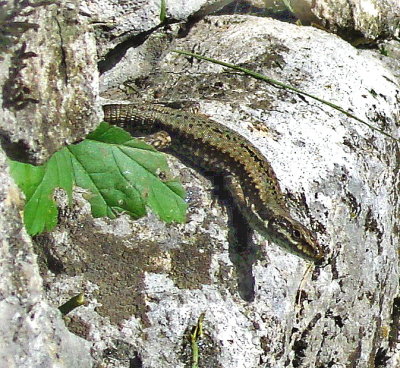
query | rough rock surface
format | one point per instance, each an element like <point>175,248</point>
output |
<point>48,78</point>
<point>147,283</point>
<point>359,21</point>
<point>371,18</point>
<point>119,22</point>
<point>262,307</point>
<point>32,333</point>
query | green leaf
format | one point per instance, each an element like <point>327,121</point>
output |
<point>121,175</point>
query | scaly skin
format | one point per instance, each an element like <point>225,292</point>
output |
<point>216,148</point>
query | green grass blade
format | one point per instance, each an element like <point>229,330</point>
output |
<point>163,10</point>
<point>285,86</point>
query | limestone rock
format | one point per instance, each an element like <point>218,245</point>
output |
<point>146,282</point>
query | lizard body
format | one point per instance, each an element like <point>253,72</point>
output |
<point>214,147</point>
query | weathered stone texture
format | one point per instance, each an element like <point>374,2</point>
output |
<point>32,333</point>
<point>146,282</point>
<point>49,80</point>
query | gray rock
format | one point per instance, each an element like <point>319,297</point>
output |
<point>32,332</point>
<point>361,22</point>
<point>340,176</point>
<point>146,282</point>
<point>118,23</point>
<point>370,18</point>
<point>49,78</point>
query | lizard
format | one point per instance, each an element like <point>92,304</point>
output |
<point>248,175</point>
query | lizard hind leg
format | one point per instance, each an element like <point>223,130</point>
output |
<point>242,251</point>
<point>232,184</point>
<point>160,140</point>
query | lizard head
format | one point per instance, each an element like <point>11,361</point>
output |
<point>292,235</point>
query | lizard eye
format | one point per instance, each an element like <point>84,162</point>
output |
<point>296,234</point>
